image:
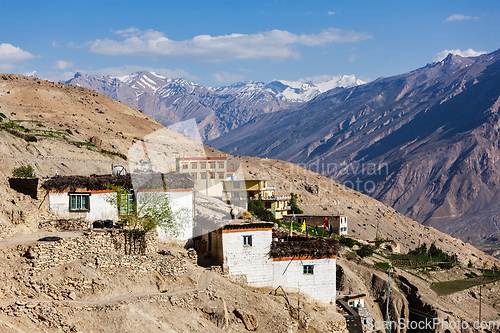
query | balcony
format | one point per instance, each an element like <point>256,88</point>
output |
<point>280,198</point>
<point>284,208</point>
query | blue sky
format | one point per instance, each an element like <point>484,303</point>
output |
<point>220,42</point>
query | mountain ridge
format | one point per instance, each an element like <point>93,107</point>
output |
<point>436,129</point>
<point>216,110</point>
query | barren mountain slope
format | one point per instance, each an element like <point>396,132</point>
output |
<point>63,119</point>
<point>424,142</point>
<point>318,194</point>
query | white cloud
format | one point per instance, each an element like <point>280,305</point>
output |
<point>55,44</point>
<point>62,65</point>
<point>129,32</point>
<point>465,53</point>
<point>353,57</point>
<point>129,69</point>
<point>274,44</point>
<point>331,13</point>
<point>460,17</point>
<point>10,54</point>
<point>225,77</point>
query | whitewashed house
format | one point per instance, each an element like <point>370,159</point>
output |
<point>86,197</point>
<point>253,253</point>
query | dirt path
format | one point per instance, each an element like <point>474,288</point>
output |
<point>203,283</point>
<point>34,237</point>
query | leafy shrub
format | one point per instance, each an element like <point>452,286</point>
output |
<point>365,251</point>
<point>255,208</point>
<point>23,171</point>
<point>349,242</point>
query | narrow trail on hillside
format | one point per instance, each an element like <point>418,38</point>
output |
<point>34,237</point>
<point>203,282</point>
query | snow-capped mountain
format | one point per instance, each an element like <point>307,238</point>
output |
<point>217,110</point>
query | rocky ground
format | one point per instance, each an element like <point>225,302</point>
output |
<point>83,297</point>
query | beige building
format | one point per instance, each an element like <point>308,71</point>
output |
<point>208,173</point>
<point>238,192</point>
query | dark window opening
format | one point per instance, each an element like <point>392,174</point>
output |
<point>247,240</point>
<point>308,269</point>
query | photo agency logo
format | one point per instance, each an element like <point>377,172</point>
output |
<point>173,160</point>
<point>357,175</point>
<point>433,324</point>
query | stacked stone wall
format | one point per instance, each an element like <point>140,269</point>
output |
<point>111,247</point>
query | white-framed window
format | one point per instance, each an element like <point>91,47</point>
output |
<point>247,240</point>
<point>308,269</point>
<point>79,202</point>
<point>194,165</point>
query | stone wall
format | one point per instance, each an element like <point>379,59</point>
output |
<point>110,243</point>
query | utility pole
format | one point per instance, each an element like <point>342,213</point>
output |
<point>480,305</point>
<point>376,233</point>
<point>388,327</point>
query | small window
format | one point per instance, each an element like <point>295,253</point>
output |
<point>212,165</point>
<point>247,240</point>
<point>221,175</point>
<point>308,269</point>
<point>203,165</point>
<point>212,175</point>
<point>184,166</point>
<point>203,175</point>
<point>220,165</point>
<point>194,175</point>
<point>194,165</point>
<point>268,204</point>
<point>79,202</point>
<point>236,185</point>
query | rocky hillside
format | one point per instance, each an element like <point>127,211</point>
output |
<point>216,110</point>
<point>424,142</point>
<point>95,292</point>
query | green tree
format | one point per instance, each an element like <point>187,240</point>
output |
<point>24,171</point>
<point>294,207</point>
<point>151,210</point>
<point>470,265</point>
<point>255,208</point>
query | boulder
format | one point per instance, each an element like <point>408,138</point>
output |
<point>248,319</point>
<point>96,141</point>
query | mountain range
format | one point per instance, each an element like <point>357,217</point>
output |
<point>424,142</point>
<point>216,110</point>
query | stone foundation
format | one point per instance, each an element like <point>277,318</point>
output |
<point>105,243</point>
